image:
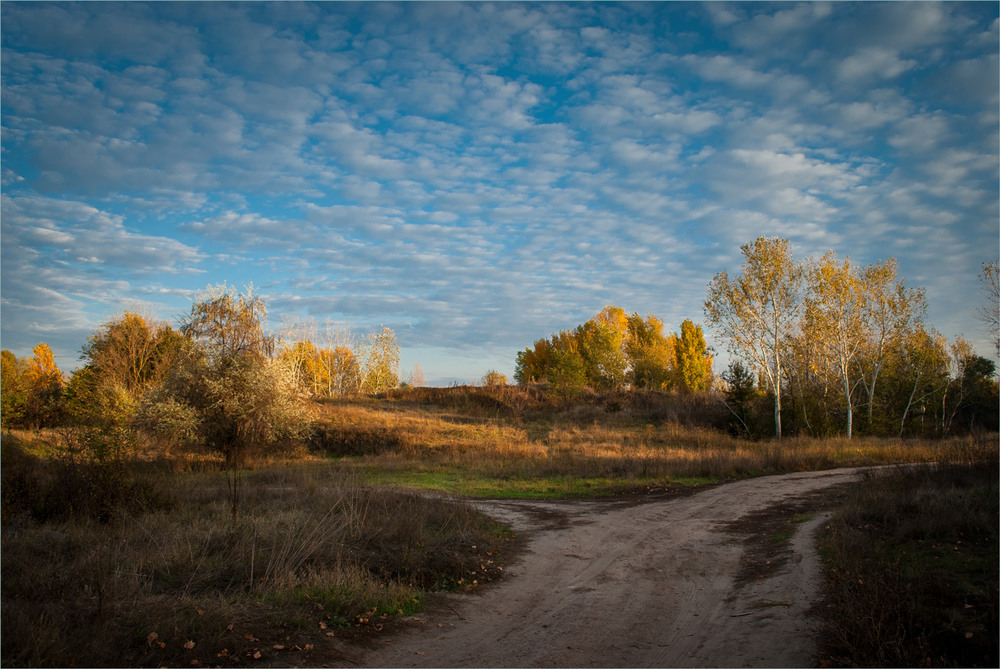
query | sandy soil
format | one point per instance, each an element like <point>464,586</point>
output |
<point>665,582</point>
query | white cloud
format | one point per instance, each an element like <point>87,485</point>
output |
<point>872,63</point>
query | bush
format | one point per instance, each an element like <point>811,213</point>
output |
<point>73,486</point>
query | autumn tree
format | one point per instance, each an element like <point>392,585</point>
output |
<point>123,359</point>
<point>532,363</point>
<point>693,362</point>
<point>13,390</point>
<point>891,309</point>
<point>917,374</point>
<point>131,350</point>
<point>41,383</point>
<point>225,324</point>
<point>567,369</point>
<point>601,346</point>
<point>494,379</point>
<point>379,362</point>
<point>758,310</point>
<point>836,317</point>
<point>226,391</point>
<point>651,353</point>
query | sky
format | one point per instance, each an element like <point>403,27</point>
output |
<point>477,176</point>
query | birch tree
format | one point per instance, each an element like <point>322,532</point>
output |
<point>891,309</point>
<point>836,315</point>
<point>380,362</point>
<point>757,311</point>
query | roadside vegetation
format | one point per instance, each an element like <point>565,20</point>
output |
<point>141,566</point>
<point>912,579</point>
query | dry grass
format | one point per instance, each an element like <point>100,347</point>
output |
<point>612,450</point>
<point>313,551</point>
<point>912,569</point>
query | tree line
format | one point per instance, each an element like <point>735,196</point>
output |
<point>613,350</point>
<point>142,369</point>
<point>833,347</point>
<point>827,339</point>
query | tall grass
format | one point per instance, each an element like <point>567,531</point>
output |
<point>913,569</point>
<point>314,551</point>
<point>472,450</point>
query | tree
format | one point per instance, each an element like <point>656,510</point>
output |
<point>494,379</point>
<point>739,393</point>
<point>567,370</point>
<point>757,311</point>
<point>225,324</point>
<point>417,377</point>
<point>123,359</point>
<point>533,363</point>
<point>891,309</point>
<point>918,363</point>
<point>693,361</point>
<point>43,385</point>
<point>601,346</point>
<point>13,391</point>
<point>225,390</point>
<point>651,354</point>
<point>836,317</point>
<point>131,350</point>
<point>990,313</point>
<point>380,362</point>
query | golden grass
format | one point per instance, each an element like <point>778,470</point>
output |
<point>622,449</point>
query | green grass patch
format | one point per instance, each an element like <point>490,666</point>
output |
<point>476,484</point>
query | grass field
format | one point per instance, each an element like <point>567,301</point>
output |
<point>142,563</point>
<point>482,446</point>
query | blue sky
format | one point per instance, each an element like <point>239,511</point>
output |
<point>477,176</point>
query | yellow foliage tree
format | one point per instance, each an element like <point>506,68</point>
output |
<point>757,311</point>
<point>693,362</point>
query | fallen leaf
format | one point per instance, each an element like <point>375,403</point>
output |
<point>153,636</point>
<point>968,635</point>
<point>229,627</point>
<point>189,644</point>
<point>278,646</point>
<point>322,625</point>
<point>309,646</point>
<point>256,655</point>
<point>201,612</point>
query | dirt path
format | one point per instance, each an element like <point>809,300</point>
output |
<point>667,582</point>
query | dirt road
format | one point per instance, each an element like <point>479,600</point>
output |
<point>665,582</point>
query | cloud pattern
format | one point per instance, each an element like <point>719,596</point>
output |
<point>479,175</point>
